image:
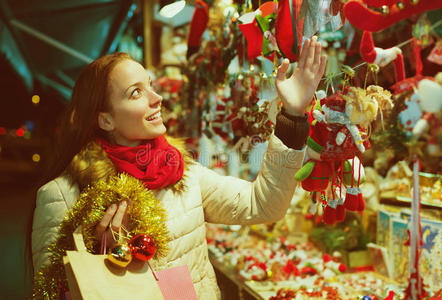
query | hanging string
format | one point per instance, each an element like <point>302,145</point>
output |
<point>103,247</point>
<point>342,178</point>
<point>332,183</point>
<point>352,168</point>
<point>360,165</point>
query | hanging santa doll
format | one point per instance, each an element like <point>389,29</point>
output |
<point>337,139</point>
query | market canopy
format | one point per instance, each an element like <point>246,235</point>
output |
<point>51,40</point>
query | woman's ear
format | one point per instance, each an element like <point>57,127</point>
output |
<point>105,121</point>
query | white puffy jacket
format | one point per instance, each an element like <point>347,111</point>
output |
<point>209,197</point>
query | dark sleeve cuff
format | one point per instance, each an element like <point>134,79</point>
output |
<point>292,130</point>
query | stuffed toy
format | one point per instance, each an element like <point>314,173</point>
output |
<point>338,136</point>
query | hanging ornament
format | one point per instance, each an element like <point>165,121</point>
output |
<point>120,255</point>
<point>339,133</point>
<point>142,247</point>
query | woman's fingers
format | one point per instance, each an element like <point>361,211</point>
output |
<point>317,59</point>
<point>304,51</point>
<point>105,221</point>
<point>118,217</point>
<point>310,53</point>
<point>282,70</point>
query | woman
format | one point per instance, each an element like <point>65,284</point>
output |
<point>115,109</point>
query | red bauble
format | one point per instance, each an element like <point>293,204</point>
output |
<point>142,247</point>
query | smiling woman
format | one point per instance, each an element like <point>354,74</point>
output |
<point>113,129</point>
<point>135,109</point>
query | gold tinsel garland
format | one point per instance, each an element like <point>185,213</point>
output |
<point>145,215</point>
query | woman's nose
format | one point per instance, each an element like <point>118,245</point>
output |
<point>155,99</point>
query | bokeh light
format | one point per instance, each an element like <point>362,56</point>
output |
<point>20,132</point>
<point>36,99</point>
<point>36,157</point>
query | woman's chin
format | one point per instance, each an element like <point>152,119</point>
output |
<point>158,131</point>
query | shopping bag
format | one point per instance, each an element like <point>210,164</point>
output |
<point>175,283</point>
<point>93,277</point>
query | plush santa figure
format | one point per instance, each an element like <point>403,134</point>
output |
<point>335,143</point>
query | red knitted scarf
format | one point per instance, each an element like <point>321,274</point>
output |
<point>155,162</point>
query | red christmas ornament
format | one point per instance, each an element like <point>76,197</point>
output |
<point>142,247</point>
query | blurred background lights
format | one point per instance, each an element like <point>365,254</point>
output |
<point>30,125</point>
<point>36,99</point>
<point>2,130</point>
<point>20,132</point>
<point>36,157</point>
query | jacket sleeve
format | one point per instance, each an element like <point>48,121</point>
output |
<point>49,212</point>
<point>231,200</point>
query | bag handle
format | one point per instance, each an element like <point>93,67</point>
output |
<point>78,239</point>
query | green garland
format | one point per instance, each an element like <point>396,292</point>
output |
<point>146,215</point>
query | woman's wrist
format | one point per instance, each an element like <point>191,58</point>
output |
<point>293,112</point>
<point>292,115</point>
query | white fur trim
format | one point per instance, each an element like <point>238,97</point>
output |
<point>386,56</point>
<point>340,137</point>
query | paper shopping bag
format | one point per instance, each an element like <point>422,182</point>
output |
<point>93,277</point>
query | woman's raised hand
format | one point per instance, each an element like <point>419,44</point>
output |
<point>296,92</point>
<point>112,219</point>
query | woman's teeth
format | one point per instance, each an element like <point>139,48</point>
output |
<point>157,115</point>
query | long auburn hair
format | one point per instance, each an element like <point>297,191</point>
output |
<point>79,123</point>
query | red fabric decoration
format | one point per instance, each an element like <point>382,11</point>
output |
<point>254,37</point>
<point>417,55</point>
<point>285,37</point>
<point>155,162</point>
<point>399,68</point>
<point>329,216</point>
<point>319,177</point>
<point>361,202</point>
<point>367,48</point>
<point>362,17</point>
<point>198,25</point>
<point>340,213</point>
<point>351,201</point>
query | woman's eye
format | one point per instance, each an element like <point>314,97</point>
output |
<point>136,93</point>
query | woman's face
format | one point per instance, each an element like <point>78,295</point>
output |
<point>135,108</point>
